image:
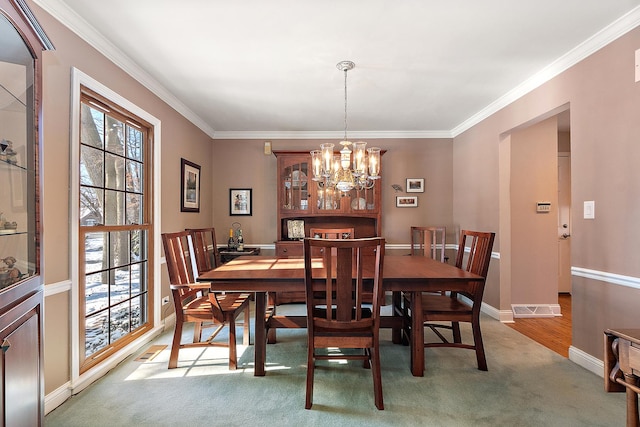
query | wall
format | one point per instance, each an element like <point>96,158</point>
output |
<point>534,249</point>
<point>242,164</point>
<point>604,103</point>
<point>180,138</point>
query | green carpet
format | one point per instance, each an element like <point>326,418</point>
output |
<point>526,385</point>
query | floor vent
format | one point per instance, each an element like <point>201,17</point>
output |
<point>543,310</point>
<point>151,352</point>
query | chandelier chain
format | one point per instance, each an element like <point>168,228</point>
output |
<point>345,104</point>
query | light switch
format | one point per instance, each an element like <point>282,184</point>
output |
<point>589,209</point>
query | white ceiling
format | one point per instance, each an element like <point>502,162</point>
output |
<point>267,69</point>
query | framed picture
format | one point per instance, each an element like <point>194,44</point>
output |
<point>190,187</point>
<point>240,201</point>
<point>415,185</point>
<point>406,201</point>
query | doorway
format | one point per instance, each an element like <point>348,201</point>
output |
<point>536,254</point>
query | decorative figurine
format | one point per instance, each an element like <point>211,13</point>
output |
<point>9,274</point>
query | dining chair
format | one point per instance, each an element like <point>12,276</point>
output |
<point>207,257</point>
<point>330,233</point>
<point>429,241</point>
<point>192,306</point>
<point>336,313</point>
<point>206,254</point>
<point>474,254</point>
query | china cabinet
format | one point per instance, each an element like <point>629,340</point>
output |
<point>21,291</point>
<point>304,204</point>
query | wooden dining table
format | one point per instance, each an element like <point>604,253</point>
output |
<point>264,274</point>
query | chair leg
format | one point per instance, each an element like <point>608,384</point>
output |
<point>455,326</point>
<point>175,345</point>
<point>246,338</point>
<point>477,341</point>
<point>197,332</point>
<point>310,368</point>
<point>377,377</point>
<point>233,357</point>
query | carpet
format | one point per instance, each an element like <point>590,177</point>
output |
<point>526,385</point>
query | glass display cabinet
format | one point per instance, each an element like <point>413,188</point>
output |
<point>21,291</point>
<point>304,204</point>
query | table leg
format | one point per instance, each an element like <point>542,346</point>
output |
<point>396,304</point>
<point>272,302</point>
<point>417,335</point>
<point>260,350</point>
<point>632,401</point>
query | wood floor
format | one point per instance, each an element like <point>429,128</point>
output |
<point>554,333</point>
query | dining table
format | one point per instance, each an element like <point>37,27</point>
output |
<point>401,273</point>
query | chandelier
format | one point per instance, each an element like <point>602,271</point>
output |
<point>358,168</point>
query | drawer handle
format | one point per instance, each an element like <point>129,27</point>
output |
<point>5,345</point>
<point>284,250</point>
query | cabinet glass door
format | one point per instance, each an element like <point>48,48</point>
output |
<point>329,198</point>
<point>17,165</point>
<point>295,186</point>
<point>364,199</point>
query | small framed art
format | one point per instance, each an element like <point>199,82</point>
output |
<point>189,187</point>
<point>406,201</point>
<point>240,201</point>
<point>415,185</point>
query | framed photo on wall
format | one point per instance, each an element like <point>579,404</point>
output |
<point>189,186</point>
<point>240,201</point>
<point>406,201</point>
<point>415,185</point>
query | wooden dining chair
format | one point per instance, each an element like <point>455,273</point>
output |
<point>429,241</point>
<point>474,254</point>
<point>330,233</point>
<point>207,257</point>
<point>336,315</point>
<point>192,306</point>
<point>206,254</point>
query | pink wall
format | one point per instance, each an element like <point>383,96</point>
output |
<point>604,102</point>
<point>242,164</point>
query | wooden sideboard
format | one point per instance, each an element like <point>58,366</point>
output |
<point>622,367</point>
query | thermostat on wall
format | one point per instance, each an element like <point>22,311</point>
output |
<point>543,207</point>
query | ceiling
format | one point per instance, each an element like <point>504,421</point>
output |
<point>267,69</point>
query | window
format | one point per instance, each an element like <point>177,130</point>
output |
<point>115,229</point>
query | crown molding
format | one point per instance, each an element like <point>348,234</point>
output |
<point>596,42</point>
<point>330,134</point>
<point>69,18</point>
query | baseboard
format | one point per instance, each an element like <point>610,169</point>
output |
<point>587,361</point>
<point>57,397</point>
